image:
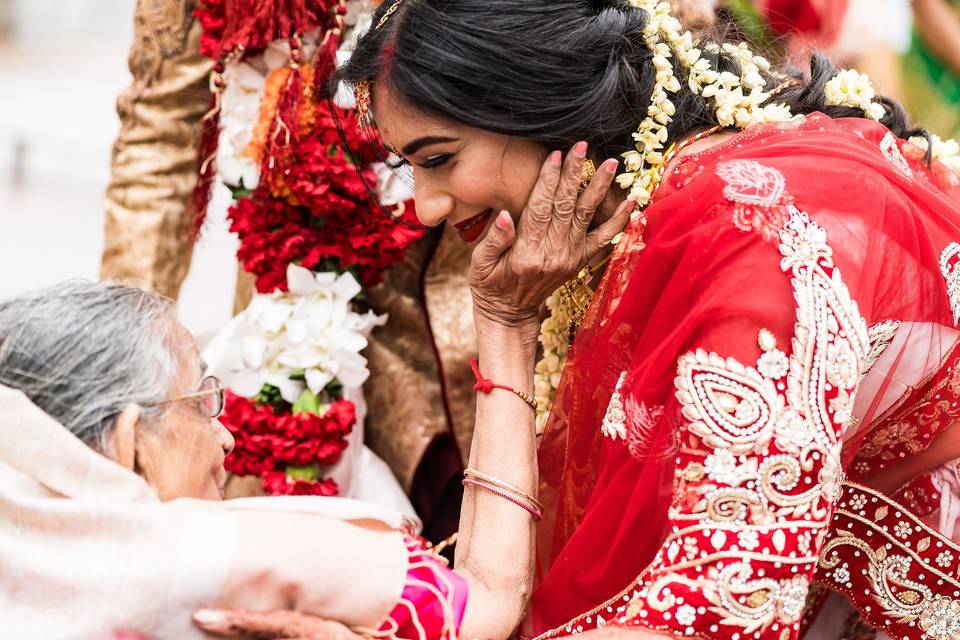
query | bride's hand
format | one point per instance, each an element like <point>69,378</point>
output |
<point>513,271</point>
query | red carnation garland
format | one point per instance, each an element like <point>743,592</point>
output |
<point>286,449</point>
<point>251,25</point>
<point>334,219</point>
<point>312,207</point>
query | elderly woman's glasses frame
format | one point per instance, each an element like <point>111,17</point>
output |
<point>211,391</point>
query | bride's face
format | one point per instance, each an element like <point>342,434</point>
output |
<point>462,175</point>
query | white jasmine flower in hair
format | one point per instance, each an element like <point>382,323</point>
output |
<point>945,151</point>
<point>850,88</point>
<point>625,179</point>
<point>632,160</point>
<point>875,111</point>
<point>777,112</point>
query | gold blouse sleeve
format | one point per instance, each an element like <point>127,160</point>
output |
<point>154,157</point>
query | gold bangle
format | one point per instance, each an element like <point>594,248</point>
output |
<point>473,473</point>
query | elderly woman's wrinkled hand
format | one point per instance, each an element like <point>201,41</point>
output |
<point>514,270</point>
<point>237,623</point>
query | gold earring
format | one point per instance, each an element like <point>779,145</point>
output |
<point>587,173</point>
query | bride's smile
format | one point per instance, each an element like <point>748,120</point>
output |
<point>462,174</point>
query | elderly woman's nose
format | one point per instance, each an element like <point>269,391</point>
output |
<point>225,437</point>
<point>434,205</point>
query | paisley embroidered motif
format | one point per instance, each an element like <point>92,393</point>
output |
<point>949,260</point>
<point>891,151</point>
<point>759,470</point>
<point>749,182</point>
<point>756,484</point>
<point>641,421</point>
<point>898,571</point>
<point>759,197</point>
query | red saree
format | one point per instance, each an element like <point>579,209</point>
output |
<point>791,290</point>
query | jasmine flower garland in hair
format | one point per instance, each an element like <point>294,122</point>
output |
<point>850,88</point>
<point>945,151</point>
<point>737,99</point>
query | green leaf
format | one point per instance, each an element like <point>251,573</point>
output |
<point>270,395</point>
<point>306,403</point>
<point>334,389</point>
<point>240,191</point>
<point>308,474</point>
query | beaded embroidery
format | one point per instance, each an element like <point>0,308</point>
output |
<point>757,479</point>
<point>891,151</point>
<point>881,335</point>
<point>613,425</point>
<point>901,575</point>
<point>949,259</point>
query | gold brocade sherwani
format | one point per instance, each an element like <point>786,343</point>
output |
<point>154,157</point>
<point>420,391</point>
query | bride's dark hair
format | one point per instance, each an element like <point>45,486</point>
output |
<point>553,71</point>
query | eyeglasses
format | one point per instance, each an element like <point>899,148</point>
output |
<point>210,393</point>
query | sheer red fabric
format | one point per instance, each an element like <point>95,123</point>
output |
<point>713,388</point>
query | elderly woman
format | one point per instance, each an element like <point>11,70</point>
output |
<point>111,476</point>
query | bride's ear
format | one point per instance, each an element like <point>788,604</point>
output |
<point>122,443</point>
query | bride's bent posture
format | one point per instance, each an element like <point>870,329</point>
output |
<point>111,476</point>
<point>758,410</point>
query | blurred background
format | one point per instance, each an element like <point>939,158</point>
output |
<point>62,65</point>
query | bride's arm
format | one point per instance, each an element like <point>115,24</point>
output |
<point>495,547</point>
<point>512,273</point>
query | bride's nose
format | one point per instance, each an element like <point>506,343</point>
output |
<point>434,204</point>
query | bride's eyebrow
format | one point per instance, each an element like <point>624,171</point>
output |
<point>425,141</point>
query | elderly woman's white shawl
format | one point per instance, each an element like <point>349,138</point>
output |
<point>86,548</point>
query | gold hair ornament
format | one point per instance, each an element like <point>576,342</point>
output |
<point>361,90</point>
<point>392,10</point>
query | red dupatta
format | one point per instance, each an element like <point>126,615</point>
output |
<point>718,268</point>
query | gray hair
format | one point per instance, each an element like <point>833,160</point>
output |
<point>83,351</point>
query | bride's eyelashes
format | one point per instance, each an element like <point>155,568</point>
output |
<point>437,161</point>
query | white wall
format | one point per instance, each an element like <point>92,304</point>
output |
<point>60,74</point>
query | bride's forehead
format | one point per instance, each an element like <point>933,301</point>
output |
<point>400,121</point>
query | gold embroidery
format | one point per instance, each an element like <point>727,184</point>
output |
<point>880,554</point>
<point>882,442</point>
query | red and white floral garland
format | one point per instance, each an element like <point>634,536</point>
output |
<point>310,232</point>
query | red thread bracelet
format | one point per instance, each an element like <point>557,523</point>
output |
<point>485,385</point>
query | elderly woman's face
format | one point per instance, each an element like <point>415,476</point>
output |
<point>462,175</point>
<point>181,453</point>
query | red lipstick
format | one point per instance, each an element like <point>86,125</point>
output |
<point>472,228</point>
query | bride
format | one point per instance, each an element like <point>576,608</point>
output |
<point>759,403</point>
